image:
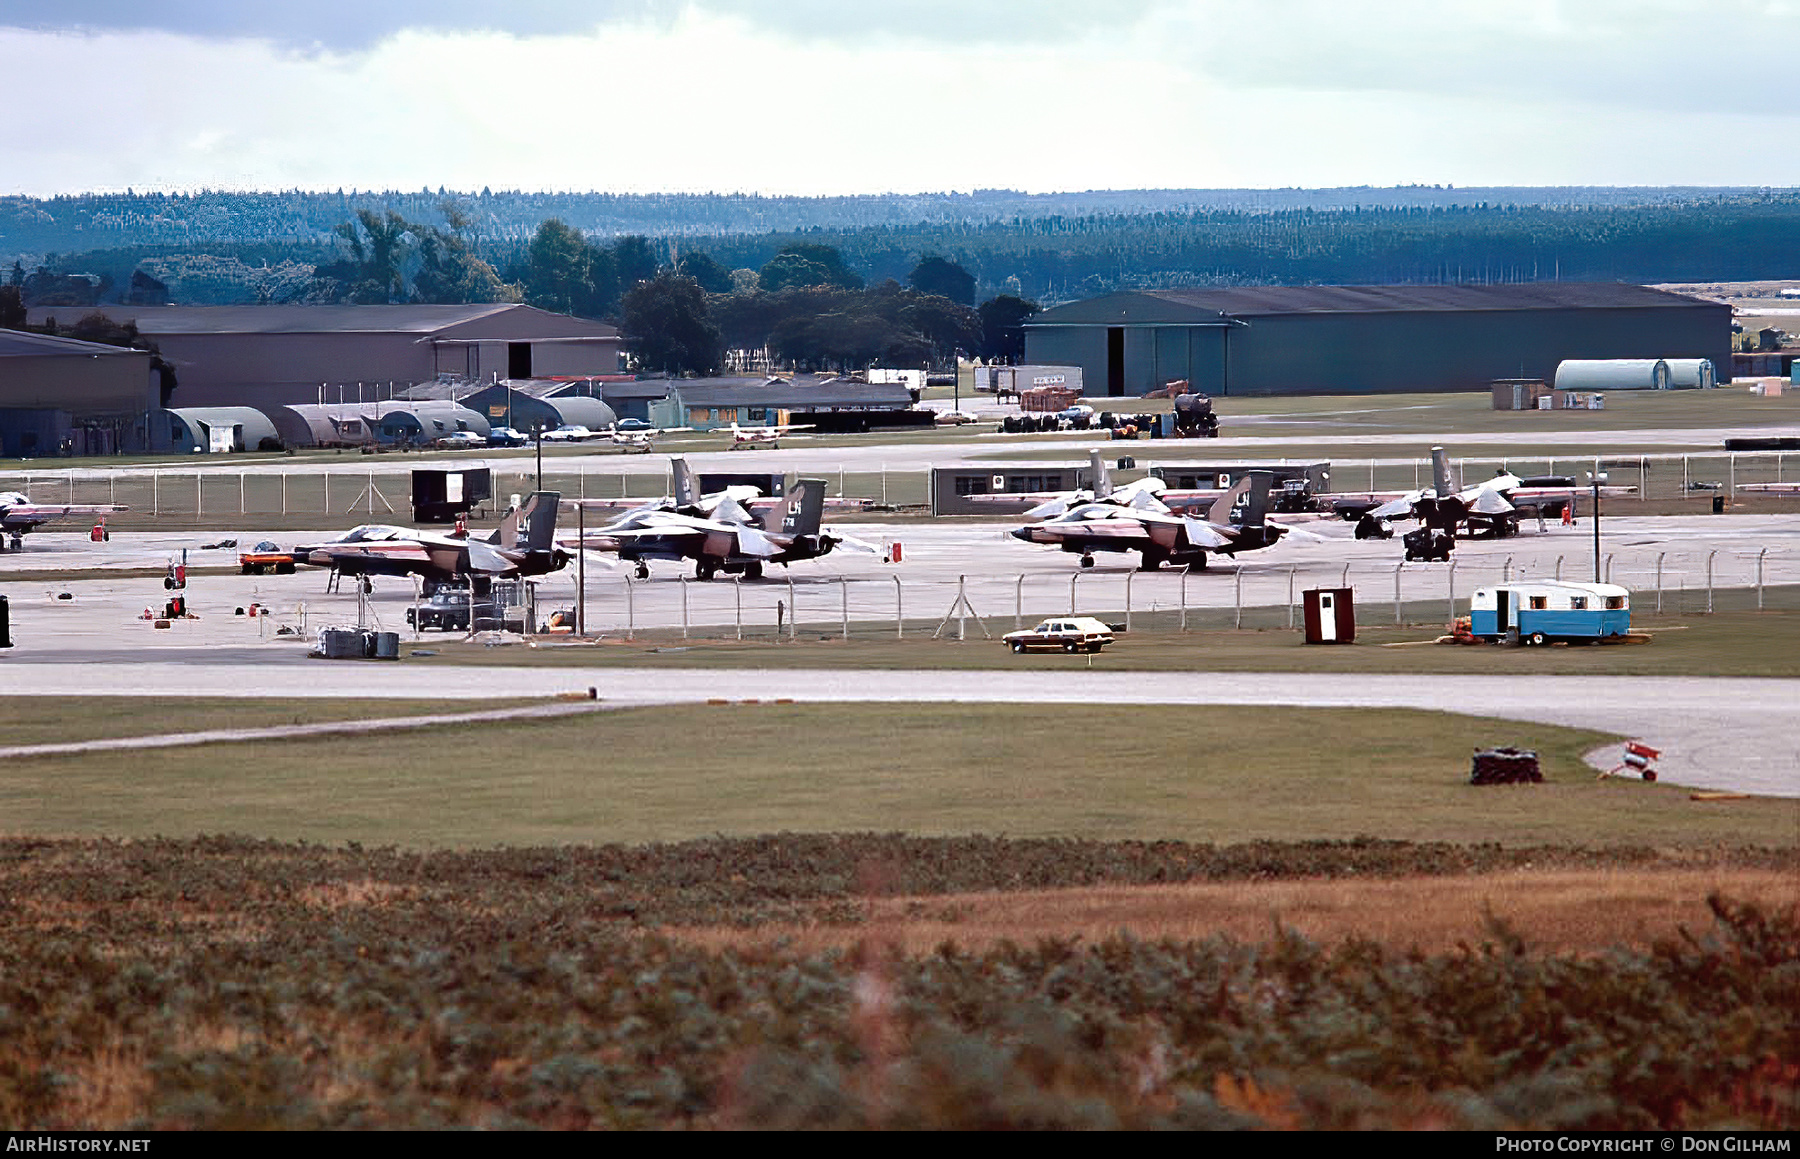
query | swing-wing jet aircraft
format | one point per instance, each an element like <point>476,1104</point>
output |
<point>524,545</point>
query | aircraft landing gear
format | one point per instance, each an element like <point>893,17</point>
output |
<point>704,568</point>
<point>753,571</point>
<point>1152,561</point>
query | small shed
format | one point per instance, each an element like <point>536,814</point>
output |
<point>1519,393</point>
<point>1330,615</point>
<point>444,495</point>
<point>1613,374</point>
<point>1540,611</point>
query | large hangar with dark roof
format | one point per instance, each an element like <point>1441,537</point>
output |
<point>273,356</point>
<point>1263,340</point>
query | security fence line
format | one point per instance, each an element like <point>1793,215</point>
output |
<point>380,493</point>
<point>1263,597</point>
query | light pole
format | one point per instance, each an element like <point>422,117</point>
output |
<point>537,429</point>
<point>1595,478</point>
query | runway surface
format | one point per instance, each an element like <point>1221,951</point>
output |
<point>1729,733</point>
<point>1719,734</point>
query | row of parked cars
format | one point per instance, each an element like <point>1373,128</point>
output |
<point>508,437</point>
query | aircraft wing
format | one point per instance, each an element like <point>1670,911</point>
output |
<point>26,515</point>
<point>1200,533</point>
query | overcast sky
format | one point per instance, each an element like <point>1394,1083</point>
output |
<point>840,96</point>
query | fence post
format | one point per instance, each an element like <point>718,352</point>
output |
<point>1759,578</point>
<point>630,608</point>
<point>1609,559</point>
<point>962,611</point>
<point>1184,576</point>
<point>1238,598</point>
<point>1072,580</point>
<point>1506,570</point>
<point>1018,603</point>
<point>197,500</point>
<point>844,596</point>
<point>284,492</point>
<point>684,608</point>
<point>1733,490</point>
<point>155,493</point>
<point>1709,577</point>
<point>1128,576</point>
<point>1643,482</point>
<point>240,492</point>
<point>1397,568</point>
<point>1659,590</point>
<point>1559,560</point>
<point>326,476</point>
<point>1290,598</point>
<point>793,612</point>
<point>899,619</point>
<point>737,589</point>
<point>1450,581</point>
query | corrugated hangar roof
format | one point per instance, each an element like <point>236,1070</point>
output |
<point>1200,306</point>
<point>22,344</point>
<point>421,320</point>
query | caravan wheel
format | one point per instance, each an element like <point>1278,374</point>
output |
<point>1537,639</point>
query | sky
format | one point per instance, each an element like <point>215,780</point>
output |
<point>844,97</point>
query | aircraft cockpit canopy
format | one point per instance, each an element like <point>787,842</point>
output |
<point>370,532</point>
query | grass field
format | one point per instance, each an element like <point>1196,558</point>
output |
<point>1745,643</point>
<point>658,774</point>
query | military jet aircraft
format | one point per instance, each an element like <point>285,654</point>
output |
<point>19,515</point>
<point>1237,521</point>
<point>524,545</point>
<point>725,537</point>
<point>1489,507</point>
<point>1146,494</point>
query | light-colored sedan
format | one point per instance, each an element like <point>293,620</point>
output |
<point>1070,633</point>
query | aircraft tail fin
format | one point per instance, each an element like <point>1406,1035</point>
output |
<point>1101,480</point>
<point>804,508</point>
<point>538,518</point>
<point>687,488</point>
<point>1256,505</point>
<point>1225,506</point>
<point>507,533</point>
<point>1441,477</point>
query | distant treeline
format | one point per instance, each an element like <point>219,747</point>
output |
<point>226,247</point>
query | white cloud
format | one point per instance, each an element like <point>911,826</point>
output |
<point>1202,94</point>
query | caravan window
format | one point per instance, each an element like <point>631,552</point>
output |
<point>1539,603</point>
<point>1614,603</point>
<point>1578,603</point>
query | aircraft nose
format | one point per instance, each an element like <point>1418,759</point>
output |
<point>1021,533</point>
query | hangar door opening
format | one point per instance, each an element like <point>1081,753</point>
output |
<point>1115,361</point>
<point>518,360</point>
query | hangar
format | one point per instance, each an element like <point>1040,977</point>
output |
<point>1270,340</point>
<point>204,429</point>
<point>273,356</point>
<point>87,398</point>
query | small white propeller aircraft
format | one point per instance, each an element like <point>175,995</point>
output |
<point>759,436</point>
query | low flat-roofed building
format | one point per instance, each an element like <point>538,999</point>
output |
<point>711,403</point>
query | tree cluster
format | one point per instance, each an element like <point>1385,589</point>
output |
<point>391,260</point>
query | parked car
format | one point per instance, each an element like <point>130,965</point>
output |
<point>505,437</point>
<point>460,441</point>
<point>568,433</point>
<point>1070,633</point>
<point>633,425</point>
<point>1074,413</point>
<point>954,418</point>
<point>448,610</point>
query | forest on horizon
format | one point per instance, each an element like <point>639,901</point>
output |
<point>224,247</point>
